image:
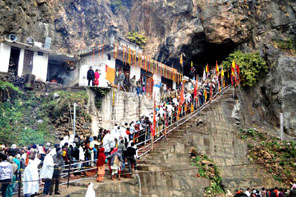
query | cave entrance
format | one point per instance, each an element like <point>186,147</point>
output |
<point>209,54</point>
<point>14,60</point>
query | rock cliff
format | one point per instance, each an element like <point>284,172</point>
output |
<point>202,30</point>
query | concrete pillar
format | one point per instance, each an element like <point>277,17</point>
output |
<point>4,57</point>
<point>21,63</point>
<point>40,65</point>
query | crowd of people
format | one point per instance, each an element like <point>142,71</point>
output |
<point>46,164</point>
<point>114,147</point>
<point>272,192</point>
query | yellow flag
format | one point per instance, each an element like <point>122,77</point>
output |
<point>233,64</point>
<point>222,73</point>
<point>181,60</point>
<point>205,94</point>
<point>191,64</point>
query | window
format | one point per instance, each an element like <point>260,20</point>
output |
<point>109,57</point>
<point>40,53</point>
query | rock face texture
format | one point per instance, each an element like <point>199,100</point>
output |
<point>216,137</point>
<point>202,30</point>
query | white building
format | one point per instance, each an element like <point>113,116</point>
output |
<point>128,58</point>
<point>21,59</point>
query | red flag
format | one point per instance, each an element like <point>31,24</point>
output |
<point>231,78</point>
<point>195,88</point>
<point>211,91</point>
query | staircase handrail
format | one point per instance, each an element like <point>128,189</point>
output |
<point>179,123</point>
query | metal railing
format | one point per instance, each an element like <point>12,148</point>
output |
<point>178,123</point>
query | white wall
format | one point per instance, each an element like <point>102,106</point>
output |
<point>127,107</point>
<point>4,57</point>
<point>97,63</point>
<point>21,63</point>
<point>40,64</point>
<point>135,71</point>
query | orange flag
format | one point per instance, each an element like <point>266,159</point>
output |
<point>207,68</point>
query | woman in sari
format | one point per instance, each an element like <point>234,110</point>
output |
<point>101,165</point>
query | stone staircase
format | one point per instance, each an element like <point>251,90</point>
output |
<point>218,138</point>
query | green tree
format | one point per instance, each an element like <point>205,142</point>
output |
<point>251,66</point>
<point>137,38</point>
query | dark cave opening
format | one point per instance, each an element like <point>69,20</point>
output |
<point>209,54</point>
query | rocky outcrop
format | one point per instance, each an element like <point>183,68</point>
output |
<point>202,30</point>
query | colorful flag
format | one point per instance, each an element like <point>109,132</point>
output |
<point>231,78</point>
<point>129,57</point>
<point>217,68</point>
<point>205,94</point>
<point>233,64</point>
<point>211,91</point>
<point>196,88</point>
<point>181,60</point>
<point>207,68</point>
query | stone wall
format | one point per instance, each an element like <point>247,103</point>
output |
<point>127,107</point>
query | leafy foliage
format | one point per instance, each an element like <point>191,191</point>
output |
<point>210,172</point>
<point>137,38</point>
<point>264,149</point>
<point>28,119</point>
<point>251,66</point>
<point>99,95</point>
